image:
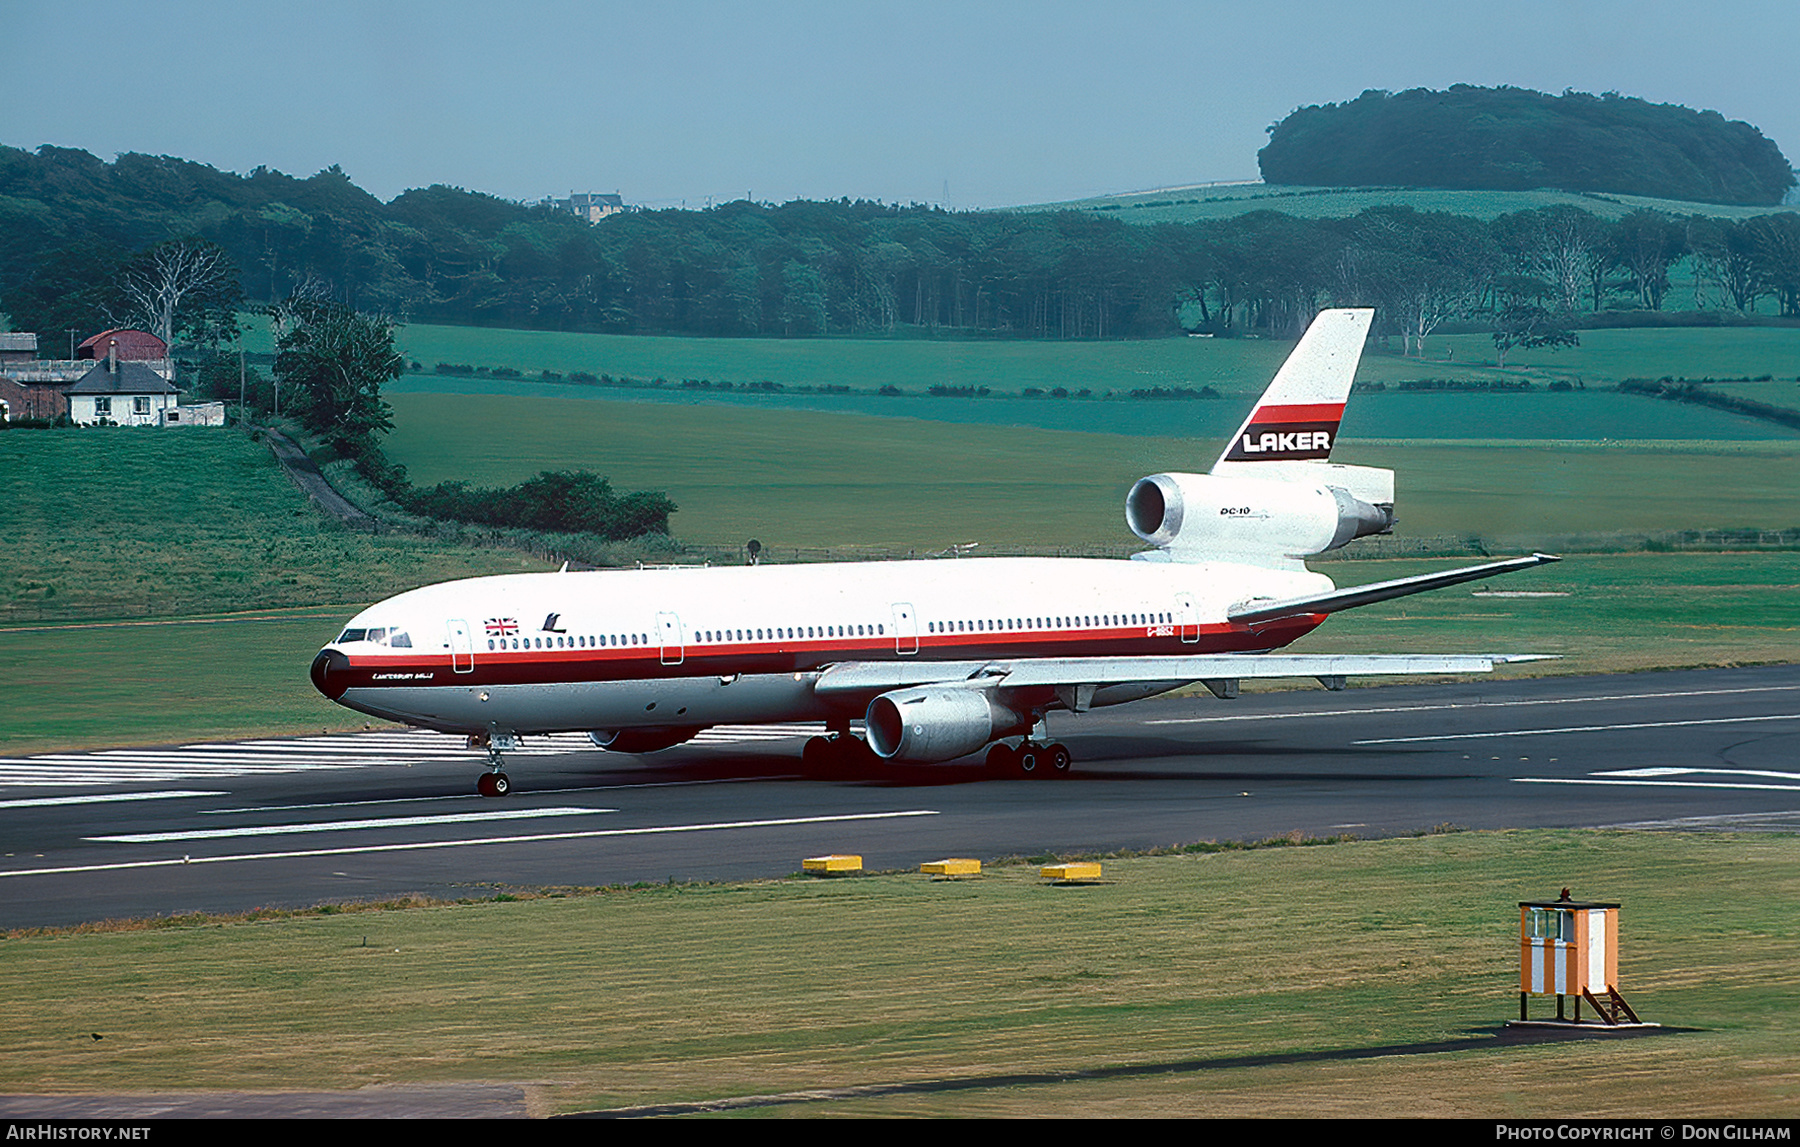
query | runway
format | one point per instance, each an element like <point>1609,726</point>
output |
<point>295,822</point>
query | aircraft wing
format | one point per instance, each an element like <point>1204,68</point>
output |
<point>1257,611</point>
<point>871,677</point>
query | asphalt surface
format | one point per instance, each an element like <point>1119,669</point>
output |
<point>220,828</point>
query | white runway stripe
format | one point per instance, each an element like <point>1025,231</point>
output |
<point>387,748</point>
<point>107,798</point>
<point>534,838</point>
<point>346,825</point>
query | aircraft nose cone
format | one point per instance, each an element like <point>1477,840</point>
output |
<point>330,673</point>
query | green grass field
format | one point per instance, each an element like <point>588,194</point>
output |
<point>802,478</point>
<point>126,522</point>
<point>1239,366</point>
<point>1384,970</point>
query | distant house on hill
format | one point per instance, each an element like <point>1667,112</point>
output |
<point>589,206</point>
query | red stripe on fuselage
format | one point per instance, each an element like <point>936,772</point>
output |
<point>637,663</point>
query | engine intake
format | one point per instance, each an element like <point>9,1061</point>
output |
<point>938,723</point>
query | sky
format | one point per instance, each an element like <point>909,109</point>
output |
<point>971,104</point>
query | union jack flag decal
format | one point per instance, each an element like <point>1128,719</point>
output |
<point>502,626</point>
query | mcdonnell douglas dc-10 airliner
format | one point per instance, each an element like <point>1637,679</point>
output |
<point>939,658</point>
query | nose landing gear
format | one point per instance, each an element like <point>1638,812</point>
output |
<point>494,782</point>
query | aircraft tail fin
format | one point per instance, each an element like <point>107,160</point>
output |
<point>1296,419</point>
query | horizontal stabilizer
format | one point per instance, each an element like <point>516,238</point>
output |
<point>1259,611</point>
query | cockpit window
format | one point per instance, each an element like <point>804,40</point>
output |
<point>350,635</point>
<point>400,640</point>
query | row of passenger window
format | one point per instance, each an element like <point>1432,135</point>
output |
<point>791,633</point>
<point>576,642</point>
<point>1085,621</point>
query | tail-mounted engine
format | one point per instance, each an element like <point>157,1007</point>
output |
<point>1201,516</point>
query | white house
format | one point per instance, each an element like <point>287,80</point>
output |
<point>122,394</point>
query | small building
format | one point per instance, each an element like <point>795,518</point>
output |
<point>1570,949</point>
<point>18,346</point>
<point>31,387</point>
<point>116,393</point>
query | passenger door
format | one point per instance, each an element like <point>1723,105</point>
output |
<point>462,648</point>
<point>668,632</point>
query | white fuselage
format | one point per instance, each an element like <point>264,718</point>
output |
<point>688,648</point>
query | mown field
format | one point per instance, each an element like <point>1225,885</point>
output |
<point>1239,366</point>
<point>804,478</point>
<point>123,522</point>
<point>1365,979</point>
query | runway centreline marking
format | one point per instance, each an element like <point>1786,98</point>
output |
<point>1471,705</point>
<point>103,798</point>
<point>1580,729</point>
<point>345,825</point>
<point>781,822</point>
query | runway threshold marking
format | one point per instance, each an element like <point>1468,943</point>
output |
<point>345,825</point>
<point>591,834</point>
<point>1580,729</point>
<point>1377,710</point>
<point>105,798</point>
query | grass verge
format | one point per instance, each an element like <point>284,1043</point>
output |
<point>1381,969</point>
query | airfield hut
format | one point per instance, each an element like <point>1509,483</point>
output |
<point>1570,949</point>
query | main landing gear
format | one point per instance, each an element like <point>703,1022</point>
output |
<point>1030,759</point>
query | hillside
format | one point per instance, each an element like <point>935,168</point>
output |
<point>126,522</point>
<point>1198,202</point>
<point>1511,139</point>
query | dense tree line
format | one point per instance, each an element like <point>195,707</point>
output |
<point>1511,139</point>
<point>333,362</point>
<point>810,268</point>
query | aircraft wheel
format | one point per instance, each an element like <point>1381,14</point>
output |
<point>484,784</point>
<point>1030,760</point>
<point>1002,758</point>
<point>1060,760</point>
<point>501,785</point>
